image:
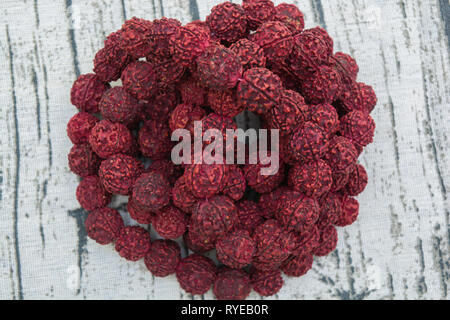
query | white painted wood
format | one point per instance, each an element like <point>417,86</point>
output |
<point>398,248</point>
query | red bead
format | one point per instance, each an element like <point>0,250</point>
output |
<point>215,217</point>
<point>323,86</point>
<point>297,266</point>
<point>291,112</point>
<point>236,184</point>
<point>227,22</point>
<point>218,68</point>
<point>273,246</point>
<point>184,116</point>
<point>110,61</point>
<point>135,37</point>
<point>139,213</point>
<point>275,38</point>
<point>163,258</point>
<point>258,12</point>
<point>117,105</point>
<point>357,181</point>
<point>328,241</point>
<point>308,142</point>
<point>312,178</point>
<point>133,243</point>
<point>161,32</point>
<point>250,215</point>
<point>297,212</point>
<point>83,161</point>
<point>87,91</point>
<point>189,42</point>
<point>152,191</point>
<point>154,140</point>
<point>250,54</point>
<point>330,209</point>
<point>359,96</point>
<point>79,127</point>
<point>91,194</point>
<point>326,117</point>
<point>170,222</point>
<point>236,249</point>
<point>342,154</point>
<point>350,211</point>
<point>182,197</point>
<point>267,283</point>
<point>205,180</point>
<point>104,225</point>
<point>196,274</point>
<point>139,80</point>
<point>291,16</point>
<point>263,183</point>
<point>259,91</point>
<point>119,172</point>
<point>224,103</point>
<point>107,139</point>
<point>358,127</point>
<point>312,48</point>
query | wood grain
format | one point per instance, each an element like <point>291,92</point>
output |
<point>398,248</point>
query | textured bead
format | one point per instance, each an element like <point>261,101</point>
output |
<point>357,181</point>
<point>119,172</point>
<point>79,127</point>
<point>205,180</point>
<point>291,16</point>
<point>215,217</point>
<point>328,241</point>
<point>258,12</point>
<point>154,140</point>
<point>87,91</point>
<point>342,154</point>
<point>196,274</point>
<point>236,184</point>
<point>152,191</point>
<point>308,142</point>
<point>312,178</point>
<point>291,112</point>
<point>273,246</point>
<point>267,283</point>
<point>358,127</point>
<point>232,284</point>
<point>133,243</point>
<point>170,222</point>
<point>107,139</point>
<point>117,105</point>
<point>219,68</point>
<point>250,54</point>
<point>250,215</point>
<point>275,38</point>
<point>227,22</point>
<point>139,80</point>
<point>297,212</point>
<point>297,266</point>
<point>91,195</point>
<point>163,257</point>
<point>83,161</point>
<point>236,249</point>
<point>259,91</point>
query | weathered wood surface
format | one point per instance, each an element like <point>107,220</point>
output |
<point>399,247</point>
